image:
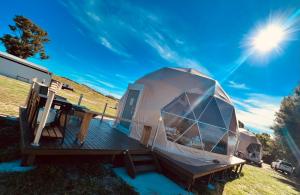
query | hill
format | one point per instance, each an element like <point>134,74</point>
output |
<point>14,94</point>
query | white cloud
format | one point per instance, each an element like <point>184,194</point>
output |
<point>90,17</point>
<point>236,85</point>
<point>106,84</point>
<point>257,110</point>
<point>158,42</point>
<point>73,57</point>
<point>93,16</point>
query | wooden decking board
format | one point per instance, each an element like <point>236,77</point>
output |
<point>101,140</point>
<point>196,171</point>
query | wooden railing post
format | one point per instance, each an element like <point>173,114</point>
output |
<point>55,86</point>
<point>103,113</point>
<point>80,99</point>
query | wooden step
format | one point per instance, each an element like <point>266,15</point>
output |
<point>145,168</point>
<point>141,158</point>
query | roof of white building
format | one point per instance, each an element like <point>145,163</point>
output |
<point>23,62</point>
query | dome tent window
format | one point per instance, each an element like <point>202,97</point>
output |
<point>198,121</point>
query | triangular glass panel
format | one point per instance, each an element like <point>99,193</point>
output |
<point>221,147</point>
<point>180,106</point>
<point>210,135</point>
<point>212,115</point>
<point>233,124</point>
<point>174,125</point>
<point>191,138</point>
<point>199,103</point>
<point>232,141</point>
<point>225,110</point>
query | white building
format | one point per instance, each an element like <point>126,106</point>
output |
<point>17,68</point>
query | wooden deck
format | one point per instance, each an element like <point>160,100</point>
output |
<point>187,175</point>
<point>102,139</point>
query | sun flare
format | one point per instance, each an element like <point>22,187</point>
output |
<point>268,38</point>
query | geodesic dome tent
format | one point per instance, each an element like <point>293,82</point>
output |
<point>249,147</point>
<point>192,114</point>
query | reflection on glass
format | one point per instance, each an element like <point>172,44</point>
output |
<point>201,122</point>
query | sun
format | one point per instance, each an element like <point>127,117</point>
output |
<point>268,38</point>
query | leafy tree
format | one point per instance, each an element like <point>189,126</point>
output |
<point>27,40</point>
<point>272,148</point>
<point>287,126</point>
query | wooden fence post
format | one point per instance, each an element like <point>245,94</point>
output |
<point>103,112</point>
<point>80,99</point>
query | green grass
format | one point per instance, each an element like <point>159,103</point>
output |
<point>14,94</point>
<point>260,181</point>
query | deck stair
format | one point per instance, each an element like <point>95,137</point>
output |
<point>140,163</point>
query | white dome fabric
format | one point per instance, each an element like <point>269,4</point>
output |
<point>197,118</point>
<point>249,146</point>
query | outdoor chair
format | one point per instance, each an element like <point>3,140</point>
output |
<point>54,129</point>
<point>57,128</point>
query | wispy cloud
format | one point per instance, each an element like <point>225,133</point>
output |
<point>97,84</point>
<point>113,24</point>
<point>90,16</point>
<point>71,56</point>
<point>158,42</point>
<point>257,110</point>
<point>236,85</point>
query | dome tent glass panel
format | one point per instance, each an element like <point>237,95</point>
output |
<point>175,126</point>
<point>198,103</point>
<point>232,141</point>
<point>211,135</point>
<point>201,121</point>
<point>191,137</point>
<point>212,115</point>
<point>221,147</point>
<point>226,111</point>
<point>180,106</point>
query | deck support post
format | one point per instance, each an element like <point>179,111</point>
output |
<point>55,85</point>
<point>240,170</point>
<point>236,170</point>
<point>28,160</point>
<point>189,185</point>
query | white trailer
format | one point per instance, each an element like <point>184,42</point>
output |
<point>20,69</point>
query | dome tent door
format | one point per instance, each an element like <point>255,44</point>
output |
<point>131,104</point>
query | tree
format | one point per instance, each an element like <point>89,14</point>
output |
<point>272,148</point>
<point>27,40</point>
<point>287,126</point>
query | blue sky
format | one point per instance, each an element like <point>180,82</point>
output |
<point>108,44</point>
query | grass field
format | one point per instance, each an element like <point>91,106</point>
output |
<point>13,94</point>
<point>261,181</point>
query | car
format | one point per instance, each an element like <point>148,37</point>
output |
<point>283,166</point>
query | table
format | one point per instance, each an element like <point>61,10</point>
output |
<point>86,116</point>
